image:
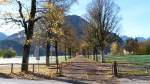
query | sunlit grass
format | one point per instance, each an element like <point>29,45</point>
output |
<point>129,58</point>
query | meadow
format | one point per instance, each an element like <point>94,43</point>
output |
<point>129,58</point>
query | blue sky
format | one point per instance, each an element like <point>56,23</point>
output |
<point>135,16</point>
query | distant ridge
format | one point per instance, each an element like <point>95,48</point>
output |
<point>2,36</point>
<point>75,21</point>
<point>78,23</point>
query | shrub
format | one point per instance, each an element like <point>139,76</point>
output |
<point>116,49</point>
<point>141,50</point>
<point>147,46</point>
<point>1,53</point>
<point>8,53</point>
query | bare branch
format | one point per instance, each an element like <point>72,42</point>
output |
<point>103,19</point>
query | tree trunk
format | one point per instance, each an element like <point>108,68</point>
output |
<point>88,53</point>
<point>69,50</point>
<point>47,53</point>
<point>75,53</point>
<point>29,34</point>
<point>96,56</point>
<point>56,53</point>
<point>102,57</point>
<point>25,60</point>
<point>93,53</point>
<point>65,52</point>
<point>85,53</point>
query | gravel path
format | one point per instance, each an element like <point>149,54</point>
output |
<point>17,81</point>
<point>83,69</point>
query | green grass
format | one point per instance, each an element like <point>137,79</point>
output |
<point>129,58</point>
<point>62,58</point>
<point>136,61</point>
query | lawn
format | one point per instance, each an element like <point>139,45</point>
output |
<point>129,58</point>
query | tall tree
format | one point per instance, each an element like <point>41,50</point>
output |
<point>59,4</point>
<point>28,26</point>
<point>26,17</point>
<point>103,19</point>
<point>55,17</point>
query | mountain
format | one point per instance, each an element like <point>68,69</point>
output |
<point>18,47</point>
<point>19,37</point>
<point>2,36</point>
<point>76,22</point>
<point>9,44</point>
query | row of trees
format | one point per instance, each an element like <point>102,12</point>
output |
<point>135,47</point>
<point>44,25</point>
<point>48,12</point>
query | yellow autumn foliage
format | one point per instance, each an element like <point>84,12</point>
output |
<point>55,16</point>
<point>115,49</point>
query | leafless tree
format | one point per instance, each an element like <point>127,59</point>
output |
<point>103,19</point>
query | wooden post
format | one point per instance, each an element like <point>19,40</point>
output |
<point>60,69</point>
<point>33,68</point>
<point>146,69</point>
<point>12,68</point>
<point>114,69</point>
